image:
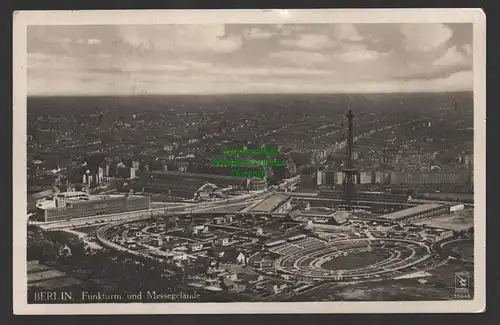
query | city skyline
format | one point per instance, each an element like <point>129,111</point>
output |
<point>248,58</point>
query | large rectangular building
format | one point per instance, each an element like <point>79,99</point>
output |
<point>329,177</point>
<point>125,172</point>
<point>339,178</point>
<point>365,177</point>
<point>71,205</point>
<point>366,196</point>
<point>380,177</point>
<point>320,177</point>
<point>418,212</point>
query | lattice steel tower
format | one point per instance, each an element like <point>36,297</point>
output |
<point>349,195</point>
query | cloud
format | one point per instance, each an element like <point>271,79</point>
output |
<point>90,41</point>
<point>204,59</point>
<point>300,57</point>
<point>105,83</point>
<point>335,35</point>
<point>257,33</point>
<point>269,71</point>
<point>196,64</point>
<point>425,37</point>
<point>462,80</point>
<point>309,42</point>
<point>359,53</point>
<point>181,38</point>
<point>287,30</point>
<point>346,32</point>
<point>458,81</point>
<point>93,41</point>
<point>450,57</point>
<point>467,49</point>
<point>37,60</point>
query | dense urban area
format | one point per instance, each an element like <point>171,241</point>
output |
<point>125,205</point>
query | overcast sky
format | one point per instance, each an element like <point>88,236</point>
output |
<point>212,59</point>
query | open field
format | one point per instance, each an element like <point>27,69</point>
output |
<point>56,283</point>
<point>41,276</point>
<point>464,249</point>
<point>354,261</point>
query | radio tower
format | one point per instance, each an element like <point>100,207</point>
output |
<point>349,170</point>
<point>384,161</point>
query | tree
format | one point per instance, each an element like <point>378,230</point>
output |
<point>49,253</point>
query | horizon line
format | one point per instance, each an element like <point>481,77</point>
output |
<point>248,94</point>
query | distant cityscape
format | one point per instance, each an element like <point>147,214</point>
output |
<point>121,147</point>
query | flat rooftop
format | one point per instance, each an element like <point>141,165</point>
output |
<point>72,194</point>
<point>51,204</point>
<point>318,212</point>
<point>42,194</point>
<point>413,210</point>
<point>459,220</point>
<point>83,196</point>
<point>270,203</point>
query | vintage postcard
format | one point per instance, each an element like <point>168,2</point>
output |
<point>249,161</point>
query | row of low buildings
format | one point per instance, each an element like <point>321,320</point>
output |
<point>333,177</point>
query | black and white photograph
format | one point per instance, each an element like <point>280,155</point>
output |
<point>227,161</point>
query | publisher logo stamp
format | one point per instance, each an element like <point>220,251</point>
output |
<point>462,283</point>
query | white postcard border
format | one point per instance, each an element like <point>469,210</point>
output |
<point>148,17</point>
